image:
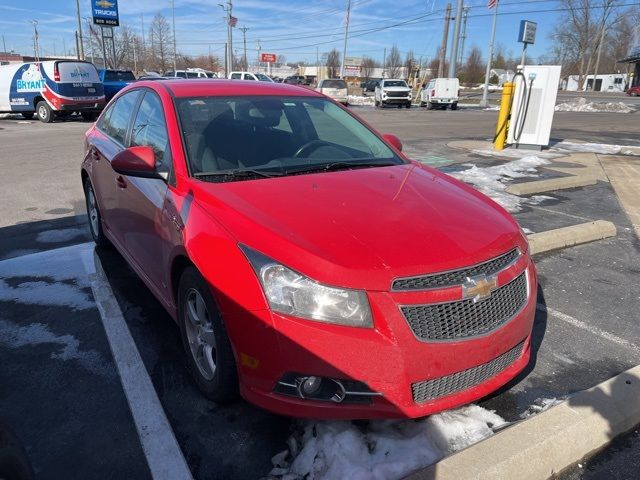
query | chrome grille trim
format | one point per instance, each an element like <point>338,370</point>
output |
<point>457,382</point>
<point>463,319</point>
<point>453,278</point>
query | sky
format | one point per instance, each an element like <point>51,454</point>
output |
<point>297,29</point>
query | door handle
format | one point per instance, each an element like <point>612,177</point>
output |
<point>121,182</point>
<point>95,155</point>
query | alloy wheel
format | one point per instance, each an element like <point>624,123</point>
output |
<point>200,335</point>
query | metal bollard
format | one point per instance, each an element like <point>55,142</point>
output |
<point>503,117</point>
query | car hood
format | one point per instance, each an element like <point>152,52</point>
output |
<point>362,228</point>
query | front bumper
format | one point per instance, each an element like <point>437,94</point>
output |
<point>396,100</point>
<point>389,359</point>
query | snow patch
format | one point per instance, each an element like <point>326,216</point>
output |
<point>492,109</point>
<point>62,235</point>
<point>527,231</point>
<point>491,180</point>
<point>540,405</point>
<point>380,450</point>
<point>358,100</point>
<point>582,105</point>
<point>16,336</point>
<point>601,148</point>
<point>515,153</point>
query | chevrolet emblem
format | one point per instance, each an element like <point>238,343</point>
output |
<point>479,287</point>
<point>105,4</point>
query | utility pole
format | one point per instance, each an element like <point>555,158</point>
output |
<point>80,42</point>
<point>456,39</point>
<point>244,41</point>
<point>463,36</point>
<point>229,48</point>
<point>485,91</point>
<point>226,60</point>
<point>4,45</point>
<point>259,50</point>
<point>317,65</point>
<point>36,48</point>
<point>384,62</point>
<point>143,52</point>
<point>173,13</point>
<point>346,35</point>
<point>445,40</point>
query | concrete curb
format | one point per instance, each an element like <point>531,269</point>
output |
<point>551,441</point>
<point>528,188</point>
<point>569,236</point>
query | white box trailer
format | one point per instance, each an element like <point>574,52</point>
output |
<point>51,88</point>
<point>440,92</point>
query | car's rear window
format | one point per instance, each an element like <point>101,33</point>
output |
<point>77,72</point>
<point>119,76</point>
<point>274,134</point>
<point>334,84</point>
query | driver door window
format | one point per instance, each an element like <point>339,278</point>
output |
<point>149,129</point>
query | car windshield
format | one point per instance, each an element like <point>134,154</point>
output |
<point>395,83</point>
<point>267,136</point>
<point>334,84</point>
<point>119,76</point>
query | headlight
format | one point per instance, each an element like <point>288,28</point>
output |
<point>294,294</point>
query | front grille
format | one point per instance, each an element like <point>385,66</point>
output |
<point>456,277</point>
<point>397,94</point>
<point>456,382</point>
<point>466,318</point>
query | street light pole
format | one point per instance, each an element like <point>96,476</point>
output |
<point>485,91</point>
<point>346,35</point>
<point>244,41</point>
<point>81,39</point>
<point>173,13</point>
<point>456,39</point>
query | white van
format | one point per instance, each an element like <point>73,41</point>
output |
<point>191,73</point>
<point>259,77</point>
<point>50,89</point>
<point>440,92</point>
<point>334,88</point>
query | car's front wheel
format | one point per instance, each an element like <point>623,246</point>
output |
<point>204,337</point>
<point>95,219</point>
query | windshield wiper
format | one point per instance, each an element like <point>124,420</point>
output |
<point>340,166</point>
<point>236,174</point>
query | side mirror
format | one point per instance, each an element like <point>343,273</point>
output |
<point>393,140</point>
<point>136,162</point>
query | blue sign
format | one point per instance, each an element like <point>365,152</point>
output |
<point>105,12</point>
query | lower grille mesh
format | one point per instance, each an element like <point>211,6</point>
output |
<point>443,386</point>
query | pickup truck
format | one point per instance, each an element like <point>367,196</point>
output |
<point>115,80</point>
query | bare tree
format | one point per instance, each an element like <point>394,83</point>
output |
<point>394,63</point>
<point>281,60</point>
<point>409,63</point>
<point>161,42</point>
<point>368,64</point>
<point>333,63</point>
<point>474,67</point>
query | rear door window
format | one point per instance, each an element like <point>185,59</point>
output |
<point>120,116</point>
<point>248,76</point>
<point>181,74</point>
<point>77,72</point>
<point>236,76</point>
<point>334,84</point>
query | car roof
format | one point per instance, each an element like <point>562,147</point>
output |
<point>221,88</point>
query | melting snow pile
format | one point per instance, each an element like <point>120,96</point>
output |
<point>581,105</point>
<point>384,449</point>
<point>357,100</point>
<point>539,406</point>
<point>491,180</point>
<point>601,148</point>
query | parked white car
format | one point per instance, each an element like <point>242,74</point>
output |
<point>191,73</point>
<point>440,92</point>
<point>259,77</point>
<point>391,91</point>
<point>334,88</point>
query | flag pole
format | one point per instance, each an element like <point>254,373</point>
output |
<point>485,92</point>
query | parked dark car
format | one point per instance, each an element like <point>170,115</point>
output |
<point>115,80</point>
<point>296,80</point>
<point>370,85</point>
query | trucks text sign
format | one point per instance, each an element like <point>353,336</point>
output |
<point>105,12</point>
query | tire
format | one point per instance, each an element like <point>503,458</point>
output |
<point>408,105</point>
<point>376,103</point>
<point>634,94</point>
<point>422,104</point>
<point>27,115</point>
<point>204,337</point>
<point>44,112</point>
<point>399,105</point>
<point>14,462</point>
<point>429,106</point>
<point>89,116</point>
<point>454,106</point>
<point>93,214</point>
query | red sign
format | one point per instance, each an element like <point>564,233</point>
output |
<point>268,57</point>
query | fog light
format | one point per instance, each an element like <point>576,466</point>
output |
<point>308,386</point>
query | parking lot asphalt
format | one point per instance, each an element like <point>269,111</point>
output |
<point>59,384</point>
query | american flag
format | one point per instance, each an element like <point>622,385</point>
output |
<point>233,21</point>
<point>491,4</point>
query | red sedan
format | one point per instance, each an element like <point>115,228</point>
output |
<point>634,91</point>
<point>310,265</point>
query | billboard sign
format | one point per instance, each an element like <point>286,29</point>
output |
<point>353,61</point>
<point>268,57</point>
<point>527,32</point>
<point>105,12</point>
